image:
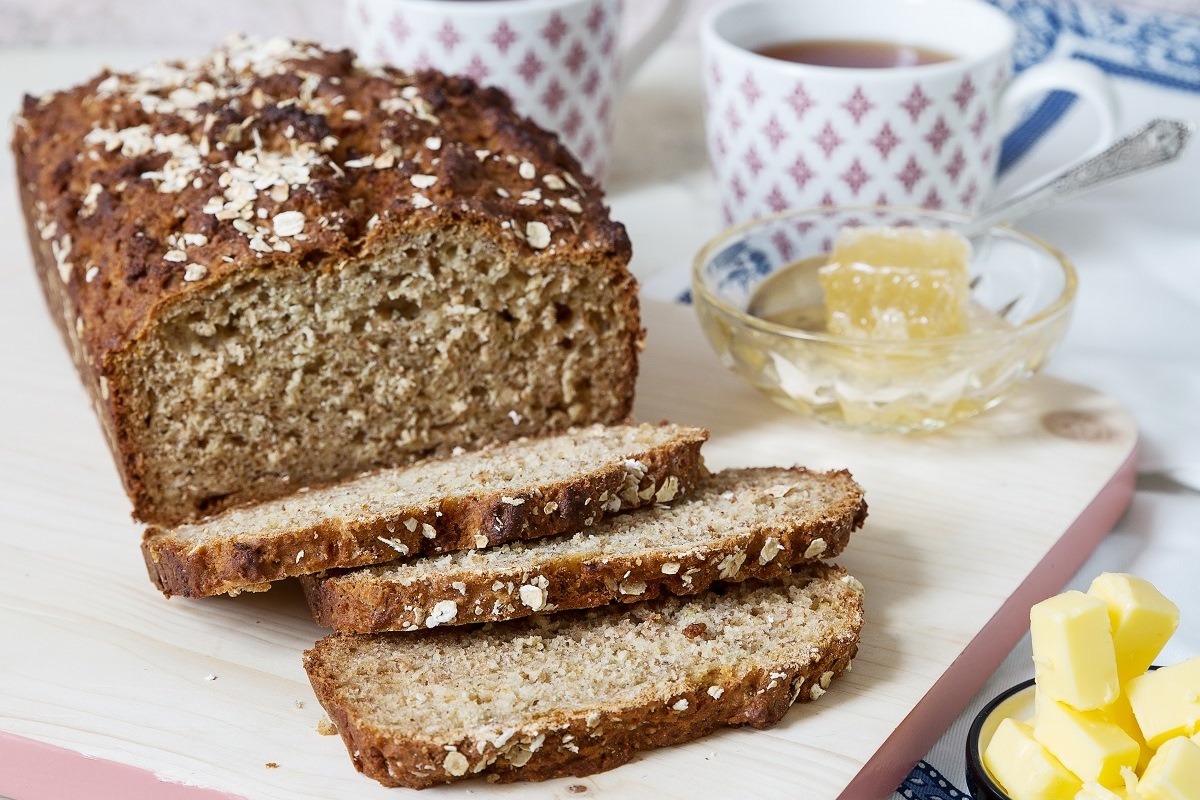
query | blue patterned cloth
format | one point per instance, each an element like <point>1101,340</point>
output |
<point>926,783</point>
<point>1157,47</point>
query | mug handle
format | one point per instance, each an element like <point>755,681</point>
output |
<point>1086,81</point>
<point>636,52</point>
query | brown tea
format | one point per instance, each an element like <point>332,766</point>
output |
<point>854,53</point>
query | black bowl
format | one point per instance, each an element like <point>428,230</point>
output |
<point>1012,701</point>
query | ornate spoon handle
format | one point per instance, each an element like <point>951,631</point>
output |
<point>1159,142</point>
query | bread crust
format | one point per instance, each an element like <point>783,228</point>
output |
<point>252,562</point>
<point>573,746</point>
<point>362,601</point>
<point>106,209</point>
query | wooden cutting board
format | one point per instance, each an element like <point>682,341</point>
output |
<point>967,529</point>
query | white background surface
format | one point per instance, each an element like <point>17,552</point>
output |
<point>1135,336</point>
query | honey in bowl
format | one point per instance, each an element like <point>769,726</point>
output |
<point>760,302</point>
<point>883,284</point>
<point>909,286</point>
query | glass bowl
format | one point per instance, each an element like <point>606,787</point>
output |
<point>1021,299</point>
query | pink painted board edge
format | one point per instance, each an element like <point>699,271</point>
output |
<point>930,718</point>
<point>33,770</point>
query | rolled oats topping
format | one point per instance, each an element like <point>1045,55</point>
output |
<point>443,612</point>
<point>537,234</point>
<point>195,272</point>
<point>288,223</point>
<point>264,151</point>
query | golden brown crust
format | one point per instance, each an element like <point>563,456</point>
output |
<point>758,700</point>
<point>364,601</point>
<point>251,563</point>
<point>578,746</point>
<point>139,194</point>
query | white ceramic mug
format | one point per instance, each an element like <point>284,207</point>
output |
<point>787,135</point>
<point>559,60</point>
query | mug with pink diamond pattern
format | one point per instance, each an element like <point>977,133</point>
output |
<point>559,60</point>
<point>783,134</point>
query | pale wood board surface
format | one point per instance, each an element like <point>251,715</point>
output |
<point>94,660</point>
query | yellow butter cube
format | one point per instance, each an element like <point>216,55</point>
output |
<point>1085,742</point>
<point>1024,768</point>
<point>1166,702</point>
<point>896,283</point>
<point>1120,713</point>
<point>1094,791</point>
<point>1173,773</point>
<point>1073,657</point>
<point>1142,620</point>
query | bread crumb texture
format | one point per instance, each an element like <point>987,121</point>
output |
<point>276,266</point>
<point>519,490</point>
<point>734,525</point>
<point>568,694</point>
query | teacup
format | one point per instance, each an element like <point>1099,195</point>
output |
<point>784,135</point>
<point>559,60</point>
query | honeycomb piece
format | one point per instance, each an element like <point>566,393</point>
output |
<point>897,283</point>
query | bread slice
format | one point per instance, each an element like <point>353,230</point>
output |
<point>736,524</point>
<point>576,693</point>
<point>276,266</point>
<point>520,490</point>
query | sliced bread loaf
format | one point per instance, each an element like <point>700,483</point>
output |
<point>520,490</point>
<point>277,266</point>
<point>576,693</point>
<point>736,524</point>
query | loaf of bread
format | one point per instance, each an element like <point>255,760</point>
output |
<point>520,490</point>
<point>579,692</point>
<point>734,525</point>
<point>276,267</point>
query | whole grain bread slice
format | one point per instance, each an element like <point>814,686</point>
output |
<point>580,692</point>
<point>736,524</point>
<point>520,490</point>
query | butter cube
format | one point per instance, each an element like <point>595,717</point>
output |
<point>1166,702</point>
<point>1024,768</point>
<point>1120,713</point>
<point>1142,620</point>
<point>1073,657</point>
<point>1173,773</point>
<point>1085,742</point>
<point>1094,791</point>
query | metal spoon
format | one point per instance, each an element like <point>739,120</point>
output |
<point>1159,142</point>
